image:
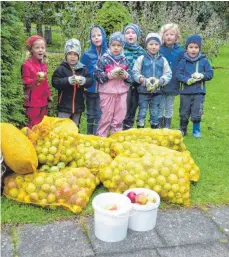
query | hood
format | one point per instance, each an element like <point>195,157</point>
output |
<point>197,58</point>
<point>104,40</point>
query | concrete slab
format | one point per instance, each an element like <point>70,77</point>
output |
<point>202,250</point>
<point>187,227</point>
<point>58,239</point>
<point>7,248</point>
<point>221,218</point>
<point>145,253</point>
<point>134,242</point>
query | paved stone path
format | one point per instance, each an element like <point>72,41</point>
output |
<point>178,233</point>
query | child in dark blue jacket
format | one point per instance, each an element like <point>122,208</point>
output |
<point>90,58</point>
<point>192,71</point>
<point>170,49</point>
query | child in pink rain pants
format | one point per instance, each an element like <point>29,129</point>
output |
<point>111,73</point>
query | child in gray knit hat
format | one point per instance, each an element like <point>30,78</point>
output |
<point>71,78</point>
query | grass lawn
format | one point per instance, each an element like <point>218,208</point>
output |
<point>210,153</point>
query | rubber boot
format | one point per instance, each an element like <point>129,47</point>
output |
<point>168,123</point>
<point>183,127</point>
<point>161,122</point>
<point>155,126</point>
<point>140,126</point>
<point>196,130</point>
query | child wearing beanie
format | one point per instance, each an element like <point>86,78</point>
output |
<point>192,71</point>
<point>90,58</point>
<point>152,71</point>
<point>111,72</point>
<point>171,50</point>
<point>132,50</point>
<point>35,80</point>
<point>70,78</point>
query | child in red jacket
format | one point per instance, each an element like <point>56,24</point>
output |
<point>35,80</point>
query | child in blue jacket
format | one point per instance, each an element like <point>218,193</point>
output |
<point>192,71</point>
<point>171,50</point>
<point>152,71</point>
<point>90,58</point>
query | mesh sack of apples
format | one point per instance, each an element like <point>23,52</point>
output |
<point>90,158</point>
<point>171,182</point>
<point>162,137</point>
<point>70,188</point>
<point>100,143</point>
<point>172,159</point>
<point>55,142</point>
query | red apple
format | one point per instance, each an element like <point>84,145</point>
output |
<point>141,198</point>
<point>132,195</point>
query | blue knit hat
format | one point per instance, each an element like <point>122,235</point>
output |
<point>153,36</point>
<point>194,39</point>
<point>117,36</point>
<point>134,27</point>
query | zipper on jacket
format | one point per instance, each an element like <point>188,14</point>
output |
<point>30,95</point>
<point>60,97</point>
<point>73,99</point>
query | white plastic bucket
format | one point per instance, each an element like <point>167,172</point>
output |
<point>111,226</point>
<point>145,216</point>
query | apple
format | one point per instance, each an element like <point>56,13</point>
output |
<point>151,200</point>
<point>141,198</point>
<point>132,196</point>
<point>111,207</point>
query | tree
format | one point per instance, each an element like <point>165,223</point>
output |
<point>113,16</point>
<point>11,59</point>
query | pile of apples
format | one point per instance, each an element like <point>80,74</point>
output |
<point>141,198</point>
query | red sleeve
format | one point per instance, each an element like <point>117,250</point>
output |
<point>29,79</point>
<point>46,81</point>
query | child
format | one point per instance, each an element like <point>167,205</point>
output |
<point>90,58</point>
<point>111,72</point>
<point>173,53</point>
<point>35,80</point>
<point>192,71</point>
<point>70,79</point>
<point>132,50</point>
<point>153,72</point>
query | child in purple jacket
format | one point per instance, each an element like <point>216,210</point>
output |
<point>111,73</point>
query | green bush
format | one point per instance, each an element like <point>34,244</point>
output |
<point>12,54</point>
<point>113,16</point>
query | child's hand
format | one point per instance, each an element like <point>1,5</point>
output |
<point>80,80</point>
<point>191,81</point>
<point>152,84</point>
<point>115,73</point>
<point>72,80</point>
<point>123,74</point>
<point>197,76</point>
<point>40,76</point>
<point>50,99</point>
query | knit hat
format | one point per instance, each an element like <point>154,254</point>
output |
<point>153,36</point>
<point>134,27</point>
<point>194,39</point>
<point>31,40</point>
<point>117,36</point>
<point>72,45</point>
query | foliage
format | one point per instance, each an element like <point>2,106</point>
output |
<point>113,16</point>
<point>74,23</point>
<point>192,17</point>
<point>11,59</point>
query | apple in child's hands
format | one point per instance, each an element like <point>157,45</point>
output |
<point>40,76</point>
<point>141,198</point>
<point>111,207</point>
<point>132,196</point>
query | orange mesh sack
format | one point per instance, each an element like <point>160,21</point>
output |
<point>148,172</point>
<point>19,153</point>
<point>70,188</point>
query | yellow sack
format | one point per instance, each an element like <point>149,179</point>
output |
<point>19,153</point>
<point>70,188</point>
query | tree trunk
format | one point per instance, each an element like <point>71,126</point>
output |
<point>39,29</point>
<point>28,26</point>
<point>48,35</point>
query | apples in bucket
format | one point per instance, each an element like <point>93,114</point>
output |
<point>141,198</point>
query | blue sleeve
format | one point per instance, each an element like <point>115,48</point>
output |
<point>208,71</point>
<point>181,71</point>
<point>84,59</point>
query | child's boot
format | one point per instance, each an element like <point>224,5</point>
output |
<point>154,125</point>
<point>138,126</point>
<point>168,123</point>
<point>161,122</point>
<point>196,130</point>
<point>183,128</point>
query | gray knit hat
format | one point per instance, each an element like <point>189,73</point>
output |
<point>73,45</point>
<point>153,36</point>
